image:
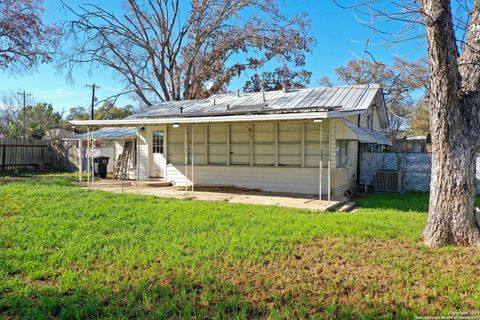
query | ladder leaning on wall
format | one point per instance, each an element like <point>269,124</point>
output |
<point>121,166</point>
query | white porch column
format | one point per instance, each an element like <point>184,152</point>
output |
<point>320,166</point>
<point>80,162</point>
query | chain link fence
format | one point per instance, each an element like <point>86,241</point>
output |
<point>415,168</point>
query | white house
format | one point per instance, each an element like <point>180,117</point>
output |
<point>280,141</point>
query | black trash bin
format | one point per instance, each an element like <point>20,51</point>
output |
<point>100,164</point>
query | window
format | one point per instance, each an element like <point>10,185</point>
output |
<point>313,152</point>
<point>290,144</point>
<point>176,145</point>
<point>157,142</point>
<point>217,144</point>
<point>370,120</point>
<point>198,144</point>
<point>264,144</point>
<point>342,153</point>
<point>240,137</point>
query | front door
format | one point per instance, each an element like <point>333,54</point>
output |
<point>158,159</point>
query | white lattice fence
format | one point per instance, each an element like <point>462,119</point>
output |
<point>414,167</point>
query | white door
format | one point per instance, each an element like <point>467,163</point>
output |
<point>158,159</point>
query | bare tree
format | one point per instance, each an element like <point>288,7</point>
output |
<point>10,109</point>
<point>401,82</point>
<point>25,40</point>
<point>452,33</point>
<point>168,50</point>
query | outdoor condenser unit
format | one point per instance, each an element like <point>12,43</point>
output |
<point>388,181</point>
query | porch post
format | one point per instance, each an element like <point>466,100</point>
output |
<point>329,159</point>
<point>80,164</point>
<point>191,158</point>
<point>185,143</point>
<point>88,155</point>
<point>320,167</point>
<point>93,163</point>
<point>137,139</point>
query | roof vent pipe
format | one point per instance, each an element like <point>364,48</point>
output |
<point>238,93</point>
<point>284,87</point>
<point>263,94</point>
<point>181,109</point>
<point>228,107</point>
<point>214,101</point>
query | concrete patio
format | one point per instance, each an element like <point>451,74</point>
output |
<point>215,193</point>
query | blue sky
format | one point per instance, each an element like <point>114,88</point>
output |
<point>340,38</point>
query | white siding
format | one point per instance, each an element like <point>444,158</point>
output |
<point>275,179</point>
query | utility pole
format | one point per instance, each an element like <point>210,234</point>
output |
<point>24,94</point>
<point>93,86</point>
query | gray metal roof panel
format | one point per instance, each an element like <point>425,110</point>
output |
<point>367,136</point>
<point>112,133</point>
<point>346,98</point>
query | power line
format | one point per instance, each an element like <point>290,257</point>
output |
<point>24,94</point>
<point>93,86</point>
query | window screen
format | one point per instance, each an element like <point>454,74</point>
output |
<point>176,146</point>
<point>217,144</point>
<point>312,144</point>
<point>290,144</point>
<point>341,153</point>
<point>264,144</point>
<point>240,135</point>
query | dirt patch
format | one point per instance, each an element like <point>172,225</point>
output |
<point>386,276</point>
<point>7,215</point>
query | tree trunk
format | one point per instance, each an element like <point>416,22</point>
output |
<point>452,105</point>
<point>451,217</point>
<point>452,199</point>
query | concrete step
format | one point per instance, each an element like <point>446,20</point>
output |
<point>346,206</point>
<point>146,184</point>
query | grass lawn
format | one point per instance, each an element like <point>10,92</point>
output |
<point>75,254</point>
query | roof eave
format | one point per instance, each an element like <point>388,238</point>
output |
<point>210,119</point>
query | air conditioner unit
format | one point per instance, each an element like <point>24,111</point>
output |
<point>388,181</point>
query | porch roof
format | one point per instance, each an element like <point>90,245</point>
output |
<point>367,136</point>
<point>111,134</point>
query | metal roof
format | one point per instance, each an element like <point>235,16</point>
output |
<point>112,133</point>
<point>366,135</point>
<point>346,98</point>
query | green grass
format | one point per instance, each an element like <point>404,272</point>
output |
<point>75,254</point>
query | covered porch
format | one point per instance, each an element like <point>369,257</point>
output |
<point>289,156</point>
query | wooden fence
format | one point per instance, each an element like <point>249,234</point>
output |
<point>16,153</point>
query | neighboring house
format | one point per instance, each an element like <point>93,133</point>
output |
<point>59,133</point>
<point>411,144</point>
<point>274,141</point>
